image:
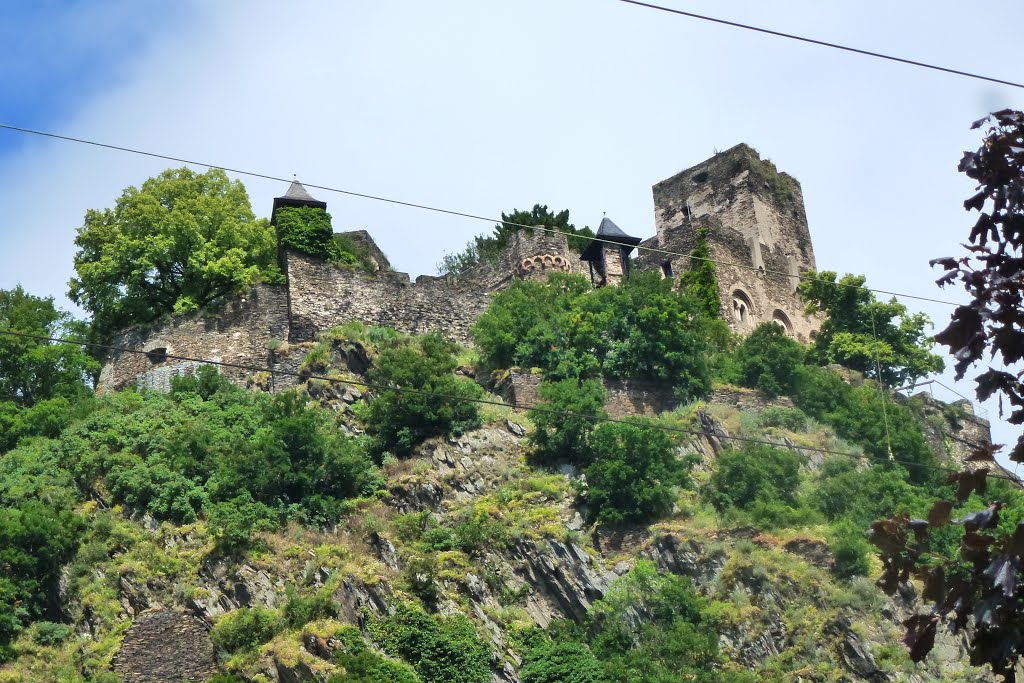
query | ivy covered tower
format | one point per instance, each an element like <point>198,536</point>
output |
<point>608,255</point>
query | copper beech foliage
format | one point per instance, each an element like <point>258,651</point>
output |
<point>992,272</point>
<point>982,586</point>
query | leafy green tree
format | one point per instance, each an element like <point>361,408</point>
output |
<point>853,319</point>
<point>526,324</point>
<point>640,329</point>
<point>633,473</point>
<point>769,361</point>
<point>561,437</point>
<point>754,473</point>
<point>701,279</point>
<point>421,372</point>
<point>487,248</point>
<point>175,245</point>
<point>644,329</point>
<point>35,542</point>
<point>32,370</point>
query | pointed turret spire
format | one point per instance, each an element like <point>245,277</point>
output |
<point>609,253</point>
<point>295,196</point>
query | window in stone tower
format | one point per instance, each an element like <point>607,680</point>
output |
<point>742,309</point>
<point>666,269</point>
<point>782,320</point>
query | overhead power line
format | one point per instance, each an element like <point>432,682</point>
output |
<point>822,43</point>
<point>451,212</point>
<point>484,401</point>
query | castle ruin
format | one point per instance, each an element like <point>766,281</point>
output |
<point>756,230</point>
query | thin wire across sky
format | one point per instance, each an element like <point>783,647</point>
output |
<point>450,212</point>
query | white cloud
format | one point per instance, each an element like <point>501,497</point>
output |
<point>485,107</point>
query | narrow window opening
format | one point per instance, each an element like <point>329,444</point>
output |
<point>666,269</point>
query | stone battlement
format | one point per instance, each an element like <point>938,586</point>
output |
<point>754,214</point>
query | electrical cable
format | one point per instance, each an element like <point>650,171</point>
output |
<point>822,43</point>
<point>460,214</point>
<point>484,401</point>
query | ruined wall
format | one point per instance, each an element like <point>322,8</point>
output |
<point>322,295</point>
<point>756,220</point>
<point>165,646</point>
<point>237,331</point>
<point>626,398</point>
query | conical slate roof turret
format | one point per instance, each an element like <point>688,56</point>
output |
<point>295,196</point>
<point>607,232</point>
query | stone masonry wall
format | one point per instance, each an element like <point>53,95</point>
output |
<point>626,398</point>
<point>238,331</point>
<point>322,296</point>
<point>758,235</point>
<point>165,646</point>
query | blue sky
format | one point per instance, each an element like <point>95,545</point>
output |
<point>484,107</point>
<point>59,54</point>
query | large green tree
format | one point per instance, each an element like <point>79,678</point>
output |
<point>865,334</point>
<point>32,370</point>
<point>174,245</point>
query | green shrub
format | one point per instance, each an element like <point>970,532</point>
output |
<point>677,640</point>
<point>299,610</point>
<point>792,419</point>
<point>561,437</point>
<point>424,370</point>
<point>640,329</point>
<point>363,665</point>
<point>867,417</point>
<point>754,473</point>
<point>440,649</point>
<point>233,523</point>
<point>420,575</point>
<point>567,662</point>
<point>768,360</point>
<point>633,473</point>
<point>845,491</point>
<point>850,549</point>
<point>48,633</point>
<point>245,629</point>
<point>35,542</point>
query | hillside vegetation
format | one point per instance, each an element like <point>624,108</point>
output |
<point>482,542</point>
<point>388,518</point>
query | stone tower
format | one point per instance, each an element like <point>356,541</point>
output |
<point>758,236</point>
<point>608,256</point>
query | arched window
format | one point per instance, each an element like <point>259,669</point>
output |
<point>742,309</point>
<point>782,320</point>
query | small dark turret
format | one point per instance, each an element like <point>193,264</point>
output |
<point>295,196</point>
<point>608,255</point>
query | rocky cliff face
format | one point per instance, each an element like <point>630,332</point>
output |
<point>782,612</point>
<point>783,603</point>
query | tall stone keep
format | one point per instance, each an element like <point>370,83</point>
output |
<point>757,234</point>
